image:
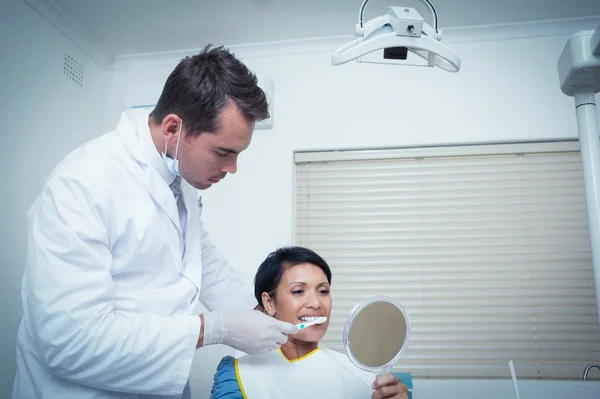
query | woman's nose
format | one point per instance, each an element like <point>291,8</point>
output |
<point>313,301</point>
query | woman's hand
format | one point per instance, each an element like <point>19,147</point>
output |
<point>389,386</point>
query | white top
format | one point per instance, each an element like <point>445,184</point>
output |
<point>323,373</point>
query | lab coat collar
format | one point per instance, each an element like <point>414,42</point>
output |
<point>135,134</point>
<point>137,120</point>
<point>153,157</point>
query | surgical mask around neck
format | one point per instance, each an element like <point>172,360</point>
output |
<point>173,163</point>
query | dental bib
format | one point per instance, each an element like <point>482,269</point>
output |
<point>323,373</point>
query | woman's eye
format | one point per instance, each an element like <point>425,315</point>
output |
<point>324,292</point>
<point>221,154</point>
<point>297,292</point>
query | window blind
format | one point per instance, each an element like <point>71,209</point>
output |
<point>487,247</point>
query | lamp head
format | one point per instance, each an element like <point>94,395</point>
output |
<point>399,36</point>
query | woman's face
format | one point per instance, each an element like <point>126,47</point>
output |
<point>303,292</point>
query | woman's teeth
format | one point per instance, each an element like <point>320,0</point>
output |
<point>309,318</point>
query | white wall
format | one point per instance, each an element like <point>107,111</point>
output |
<point>507,90</point>
<point>43,115</point>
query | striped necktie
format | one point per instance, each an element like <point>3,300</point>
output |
<point>175,187</point>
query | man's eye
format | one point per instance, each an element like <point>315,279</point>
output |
<point>221,154</point>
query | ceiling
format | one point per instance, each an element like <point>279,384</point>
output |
<point>128,27</point>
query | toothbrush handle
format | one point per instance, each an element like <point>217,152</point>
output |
<point>302,326</point>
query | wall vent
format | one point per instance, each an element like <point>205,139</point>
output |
<point>73,70</point>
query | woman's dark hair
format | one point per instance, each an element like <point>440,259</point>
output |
<point>201,85</point>
<point>269,273</point>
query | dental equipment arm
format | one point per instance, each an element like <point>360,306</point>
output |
<point>397,32</point>
<point>579,77</point>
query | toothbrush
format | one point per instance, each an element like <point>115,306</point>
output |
<point>318,320</point>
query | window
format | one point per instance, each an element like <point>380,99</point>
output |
<point>486,246</point>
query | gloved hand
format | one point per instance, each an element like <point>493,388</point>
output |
<point>249,331</point>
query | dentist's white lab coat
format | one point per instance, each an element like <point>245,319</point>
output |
<point>112,278</point>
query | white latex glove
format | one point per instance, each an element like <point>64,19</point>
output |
<point>249,331</point>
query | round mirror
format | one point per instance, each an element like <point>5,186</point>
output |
<point>376,334</point>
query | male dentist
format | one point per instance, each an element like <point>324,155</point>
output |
<point>118,254</point>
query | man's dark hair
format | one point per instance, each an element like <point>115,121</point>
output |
<point>270,272</point>
<point>200,86</point>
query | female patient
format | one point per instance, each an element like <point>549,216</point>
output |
<point>293,285</point>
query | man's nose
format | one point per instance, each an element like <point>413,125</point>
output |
<point>230,166</point>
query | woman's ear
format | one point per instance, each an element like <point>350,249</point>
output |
<point>268,304</point>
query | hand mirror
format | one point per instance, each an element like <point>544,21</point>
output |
<point>376,334</point>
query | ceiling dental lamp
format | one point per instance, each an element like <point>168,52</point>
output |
<point>400,32</point>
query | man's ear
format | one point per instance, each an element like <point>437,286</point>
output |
<point>170,128</point>
<point>268,304</point>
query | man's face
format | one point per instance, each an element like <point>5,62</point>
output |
<point>205,159</point>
